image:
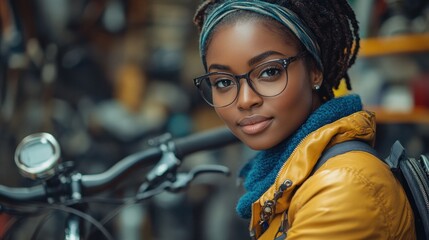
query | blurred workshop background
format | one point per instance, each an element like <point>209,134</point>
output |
<point>104,76</point>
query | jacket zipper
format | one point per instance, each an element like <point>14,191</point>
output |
<point>261,221</point>
<point>269,208</point>
<point>293,152</point>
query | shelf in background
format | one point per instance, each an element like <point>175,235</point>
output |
<point>372,47</point>
<point>416,116</point>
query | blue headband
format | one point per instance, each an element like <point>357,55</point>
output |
<point>280,14</point>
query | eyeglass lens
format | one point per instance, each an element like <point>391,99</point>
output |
<point>221,89</point>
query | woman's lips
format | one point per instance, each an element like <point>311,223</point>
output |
<point>254,124</point>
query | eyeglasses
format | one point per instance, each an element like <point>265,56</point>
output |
<point>268,79</point>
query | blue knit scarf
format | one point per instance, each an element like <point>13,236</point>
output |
<point>261,171</point>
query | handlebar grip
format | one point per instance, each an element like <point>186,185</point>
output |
<point>22,194</point>
<point>211,139</point>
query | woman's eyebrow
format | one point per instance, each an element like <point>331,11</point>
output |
<point>254,60</point>
<point>262,56</point>
<point>219,67</point>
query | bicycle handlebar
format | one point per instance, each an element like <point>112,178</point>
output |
<point>203,141</point>
<point>181,147</point>
<point>22,194</point>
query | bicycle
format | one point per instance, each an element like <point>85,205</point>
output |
<point>62,188</point>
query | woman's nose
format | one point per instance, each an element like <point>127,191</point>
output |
<point>247,97</point>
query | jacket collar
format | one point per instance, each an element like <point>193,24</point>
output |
<point>358,126</point>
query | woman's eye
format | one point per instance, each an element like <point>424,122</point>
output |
<point>269,72</point>
<point>223,83</point>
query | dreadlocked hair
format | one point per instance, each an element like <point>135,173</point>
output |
<point>335,29</point>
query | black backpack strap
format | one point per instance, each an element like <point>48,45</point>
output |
<point>343,147</point>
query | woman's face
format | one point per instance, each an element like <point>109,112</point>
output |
<point>262,122</point>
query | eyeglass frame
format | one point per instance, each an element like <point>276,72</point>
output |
<point>284,62</point>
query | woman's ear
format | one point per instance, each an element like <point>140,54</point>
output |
<point>316,77</point>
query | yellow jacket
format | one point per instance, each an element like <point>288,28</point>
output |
<point>352,196</point>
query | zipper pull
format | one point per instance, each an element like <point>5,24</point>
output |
<point>267,210</point>
<point>269,207</point>
<point>285,185</point>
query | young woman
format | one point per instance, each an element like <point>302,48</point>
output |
<point>271,69</point>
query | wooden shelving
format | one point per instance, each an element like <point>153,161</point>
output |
<point>372,47</point>
<point>400,44</point>
<point>415,116</point>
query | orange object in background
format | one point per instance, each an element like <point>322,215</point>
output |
<point>411,43</point>
<point>130,86</point>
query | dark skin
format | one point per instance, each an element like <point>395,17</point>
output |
<point>263,122</point>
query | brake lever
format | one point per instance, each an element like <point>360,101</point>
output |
<point>183,179</point>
